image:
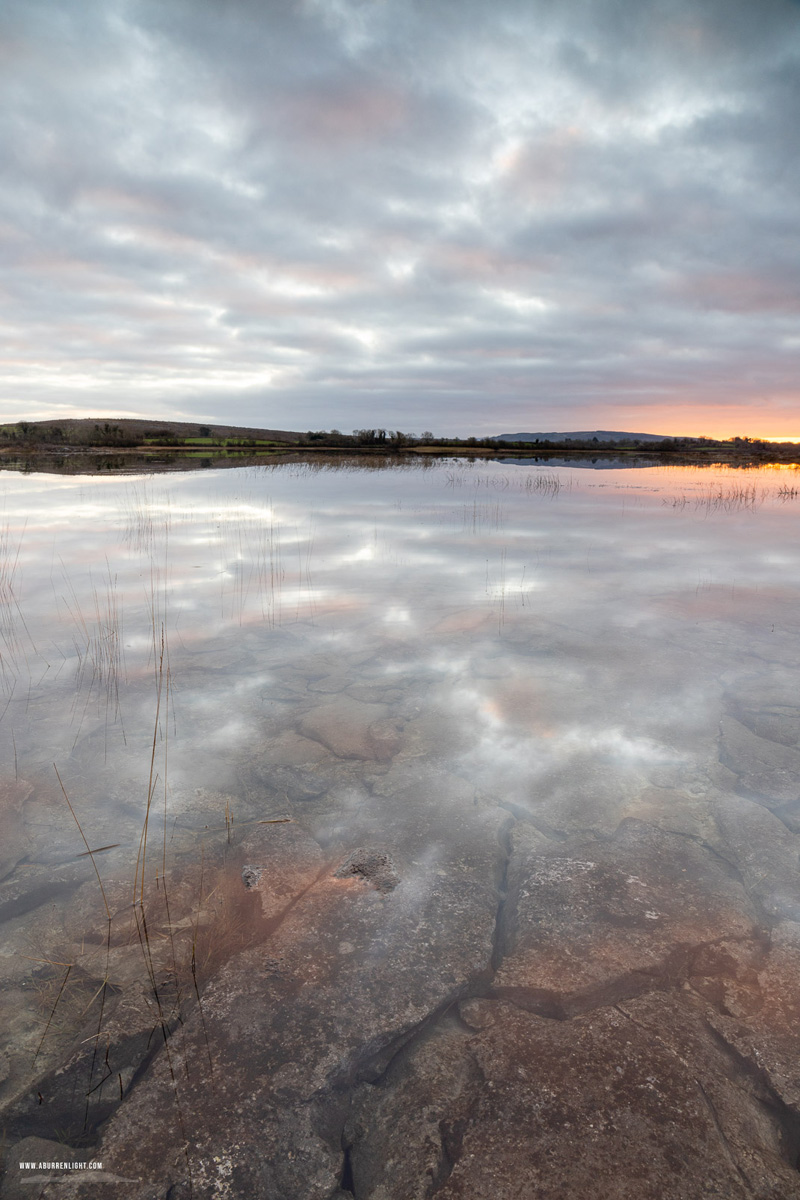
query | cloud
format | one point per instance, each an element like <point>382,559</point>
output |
<point>349,212</point>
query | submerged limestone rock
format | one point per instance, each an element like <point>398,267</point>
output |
<point>74,1097</point>
<point>337,977</point>
<point>434,999</point>
<point>352,729</point>
<point>26,1183</point>
<point>637,1099</point>
<point>763,851</point>
<point>591,922</point>
<point>761,1023</point>
<point>768,704</point>
<point>767,770</point>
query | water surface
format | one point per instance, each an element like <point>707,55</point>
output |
<point>204,652</point>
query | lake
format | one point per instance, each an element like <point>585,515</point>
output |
<point>387,829</point>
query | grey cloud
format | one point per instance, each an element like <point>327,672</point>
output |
<point>400,212</point>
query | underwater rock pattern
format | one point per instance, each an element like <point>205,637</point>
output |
<point>478,877</point>
<point>448,1037</point>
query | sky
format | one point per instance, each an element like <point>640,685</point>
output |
<point>463,216</point>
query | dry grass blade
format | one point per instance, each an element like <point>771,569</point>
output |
<point>163,1021</point>
<point>102,990</point>
<point>141,859</point>
<point>89,851</point>
<point>51,962</point>
<point>53,1009</point>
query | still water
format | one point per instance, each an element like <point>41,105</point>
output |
<point>331,646</point>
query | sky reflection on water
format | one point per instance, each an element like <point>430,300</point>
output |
<point>584,586</point>
<point>456,665</point>
<point>553,642</point>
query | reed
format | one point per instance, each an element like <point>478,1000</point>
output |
<point>164,961</point>
<point>97,639</point>
<point>546,485</point>
<point>539,483</point>
<point>13,653</point>
<point>180,925</point>
<point>483,515</point>
<point>103,989</point>
<point>720,498</point>
<point>731,498</point>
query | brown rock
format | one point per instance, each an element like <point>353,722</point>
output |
<point>768,705</point>
<point>767,770</point>
<point>764,851</point>
<point>767,1038</point>
<point>339,977</point>
<point>595,921</point>
<point>352,729</point>
<point>632,1102</point>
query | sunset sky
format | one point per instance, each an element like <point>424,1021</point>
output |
<point>468,216</point>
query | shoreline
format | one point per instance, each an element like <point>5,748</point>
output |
<point>70,459</point>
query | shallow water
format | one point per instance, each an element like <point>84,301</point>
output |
<point>547,611</point>
<point>224,648</point>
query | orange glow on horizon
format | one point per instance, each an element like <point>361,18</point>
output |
<point>754,437</point>
<point>704,421</point>
<point>762,418</point>
<point>667,421</point>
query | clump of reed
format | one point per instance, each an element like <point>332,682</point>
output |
<point>146,517</point>
<point>720,498</point>
<point>731,498</point>
<point>184,923</point>
<point>13,656</point>
<point>543,484</point>
<point>99,643</point>
<point>540,483</point>
<point>147,921</point>
<point>482,515</point>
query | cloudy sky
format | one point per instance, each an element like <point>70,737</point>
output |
<point>469,216</point>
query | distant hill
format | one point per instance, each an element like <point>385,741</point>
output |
<point>78,429</point>
<point>602,435</point>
